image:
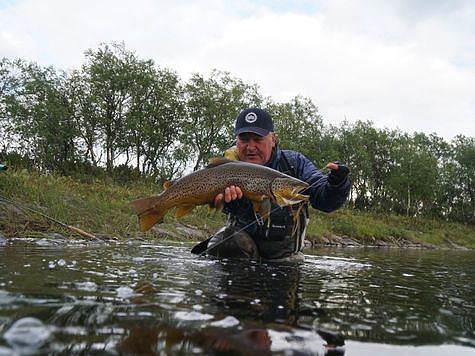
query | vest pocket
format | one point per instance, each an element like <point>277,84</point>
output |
<point>280,224</point>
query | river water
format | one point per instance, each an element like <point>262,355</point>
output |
<point>136,297</point>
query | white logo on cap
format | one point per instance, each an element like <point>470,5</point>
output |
<point>251,117</point>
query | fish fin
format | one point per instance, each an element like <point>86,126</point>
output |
<point>217,161</point>
<point>183,210</point>
<point>142,205</point>
<point>150,218</point>
<point>167,184</point>
<point>280,200</point>
<point>286,198</point>
<point>265,208</point>
<point>262,207</point>
<point>258,197</point>
<point>147,212</point>
<point>260,202</point>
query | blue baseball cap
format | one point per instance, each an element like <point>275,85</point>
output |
<point>254,120</point>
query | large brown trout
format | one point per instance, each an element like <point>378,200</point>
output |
<point>259,184</point>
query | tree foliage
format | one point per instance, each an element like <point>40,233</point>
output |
<point>211,104</point>
<point>128,117</point>
<point>294,122</point>
<point>37,113</point>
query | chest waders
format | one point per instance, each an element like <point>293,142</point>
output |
<point>280,236</point>
<point>247,235</point>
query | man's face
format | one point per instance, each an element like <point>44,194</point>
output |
<point>253,148</point>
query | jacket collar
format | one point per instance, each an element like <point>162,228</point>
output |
<point>274,158</point>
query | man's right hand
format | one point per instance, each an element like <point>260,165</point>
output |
<point>338,172</point>
<point>230,193</point>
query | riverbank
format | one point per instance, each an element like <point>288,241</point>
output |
<point>101,207</point>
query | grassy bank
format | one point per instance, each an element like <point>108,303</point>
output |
<point>102,207</point>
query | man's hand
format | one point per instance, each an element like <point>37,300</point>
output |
<point>230,193</point>
<point>338,172</point>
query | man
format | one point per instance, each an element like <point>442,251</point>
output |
<point>281,236</point>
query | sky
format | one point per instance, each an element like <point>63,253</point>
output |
<point>401,64</point>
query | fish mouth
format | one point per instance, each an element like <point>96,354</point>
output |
<point>290,194</point>
<point>296,190</point>
<point>293,197</point>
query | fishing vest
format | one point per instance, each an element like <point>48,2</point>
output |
<point>278,236</point>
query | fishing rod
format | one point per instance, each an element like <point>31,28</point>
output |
<point>232,235</point>
<point>72,228</point>
<point>258,220</point>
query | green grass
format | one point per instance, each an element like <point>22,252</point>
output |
<point>367,228</point>
<point>101,206</point>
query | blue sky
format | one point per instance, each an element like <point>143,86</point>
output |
<point>402,64</point>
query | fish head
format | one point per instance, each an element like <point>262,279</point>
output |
<point>286,190</point>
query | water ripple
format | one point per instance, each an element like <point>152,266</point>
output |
<point>150,297</point>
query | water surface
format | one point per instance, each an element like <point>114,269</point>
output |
<point>152,298</point>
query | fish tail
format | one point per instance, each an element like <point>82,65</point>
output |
<point>149,212</point>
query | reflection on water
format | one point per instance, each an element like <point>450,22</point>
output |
<point>141,298</point>
<point>402,297</point>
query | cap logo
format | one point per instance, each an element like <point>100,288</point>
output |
<point>250,118</point>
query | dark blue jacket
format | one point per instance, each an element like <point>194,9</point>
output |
<point>323,195</point>
<point>276,238</point>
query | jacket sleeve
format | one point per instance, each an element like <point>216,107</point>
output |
<point>323,195</point>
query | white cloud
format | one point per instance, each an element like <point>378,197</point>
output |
<point>400,64</point>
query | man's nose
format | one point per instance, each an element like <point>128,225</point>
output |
<point>251,144</point>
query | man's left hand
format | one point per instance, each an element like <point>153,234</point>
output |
<point>230,193</point>
<point>338,173</point>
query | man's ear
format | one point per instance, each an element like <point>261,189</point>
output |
<point>273,139</point>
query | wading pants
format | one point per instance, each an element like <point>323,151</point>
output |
<point>232,243</point>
